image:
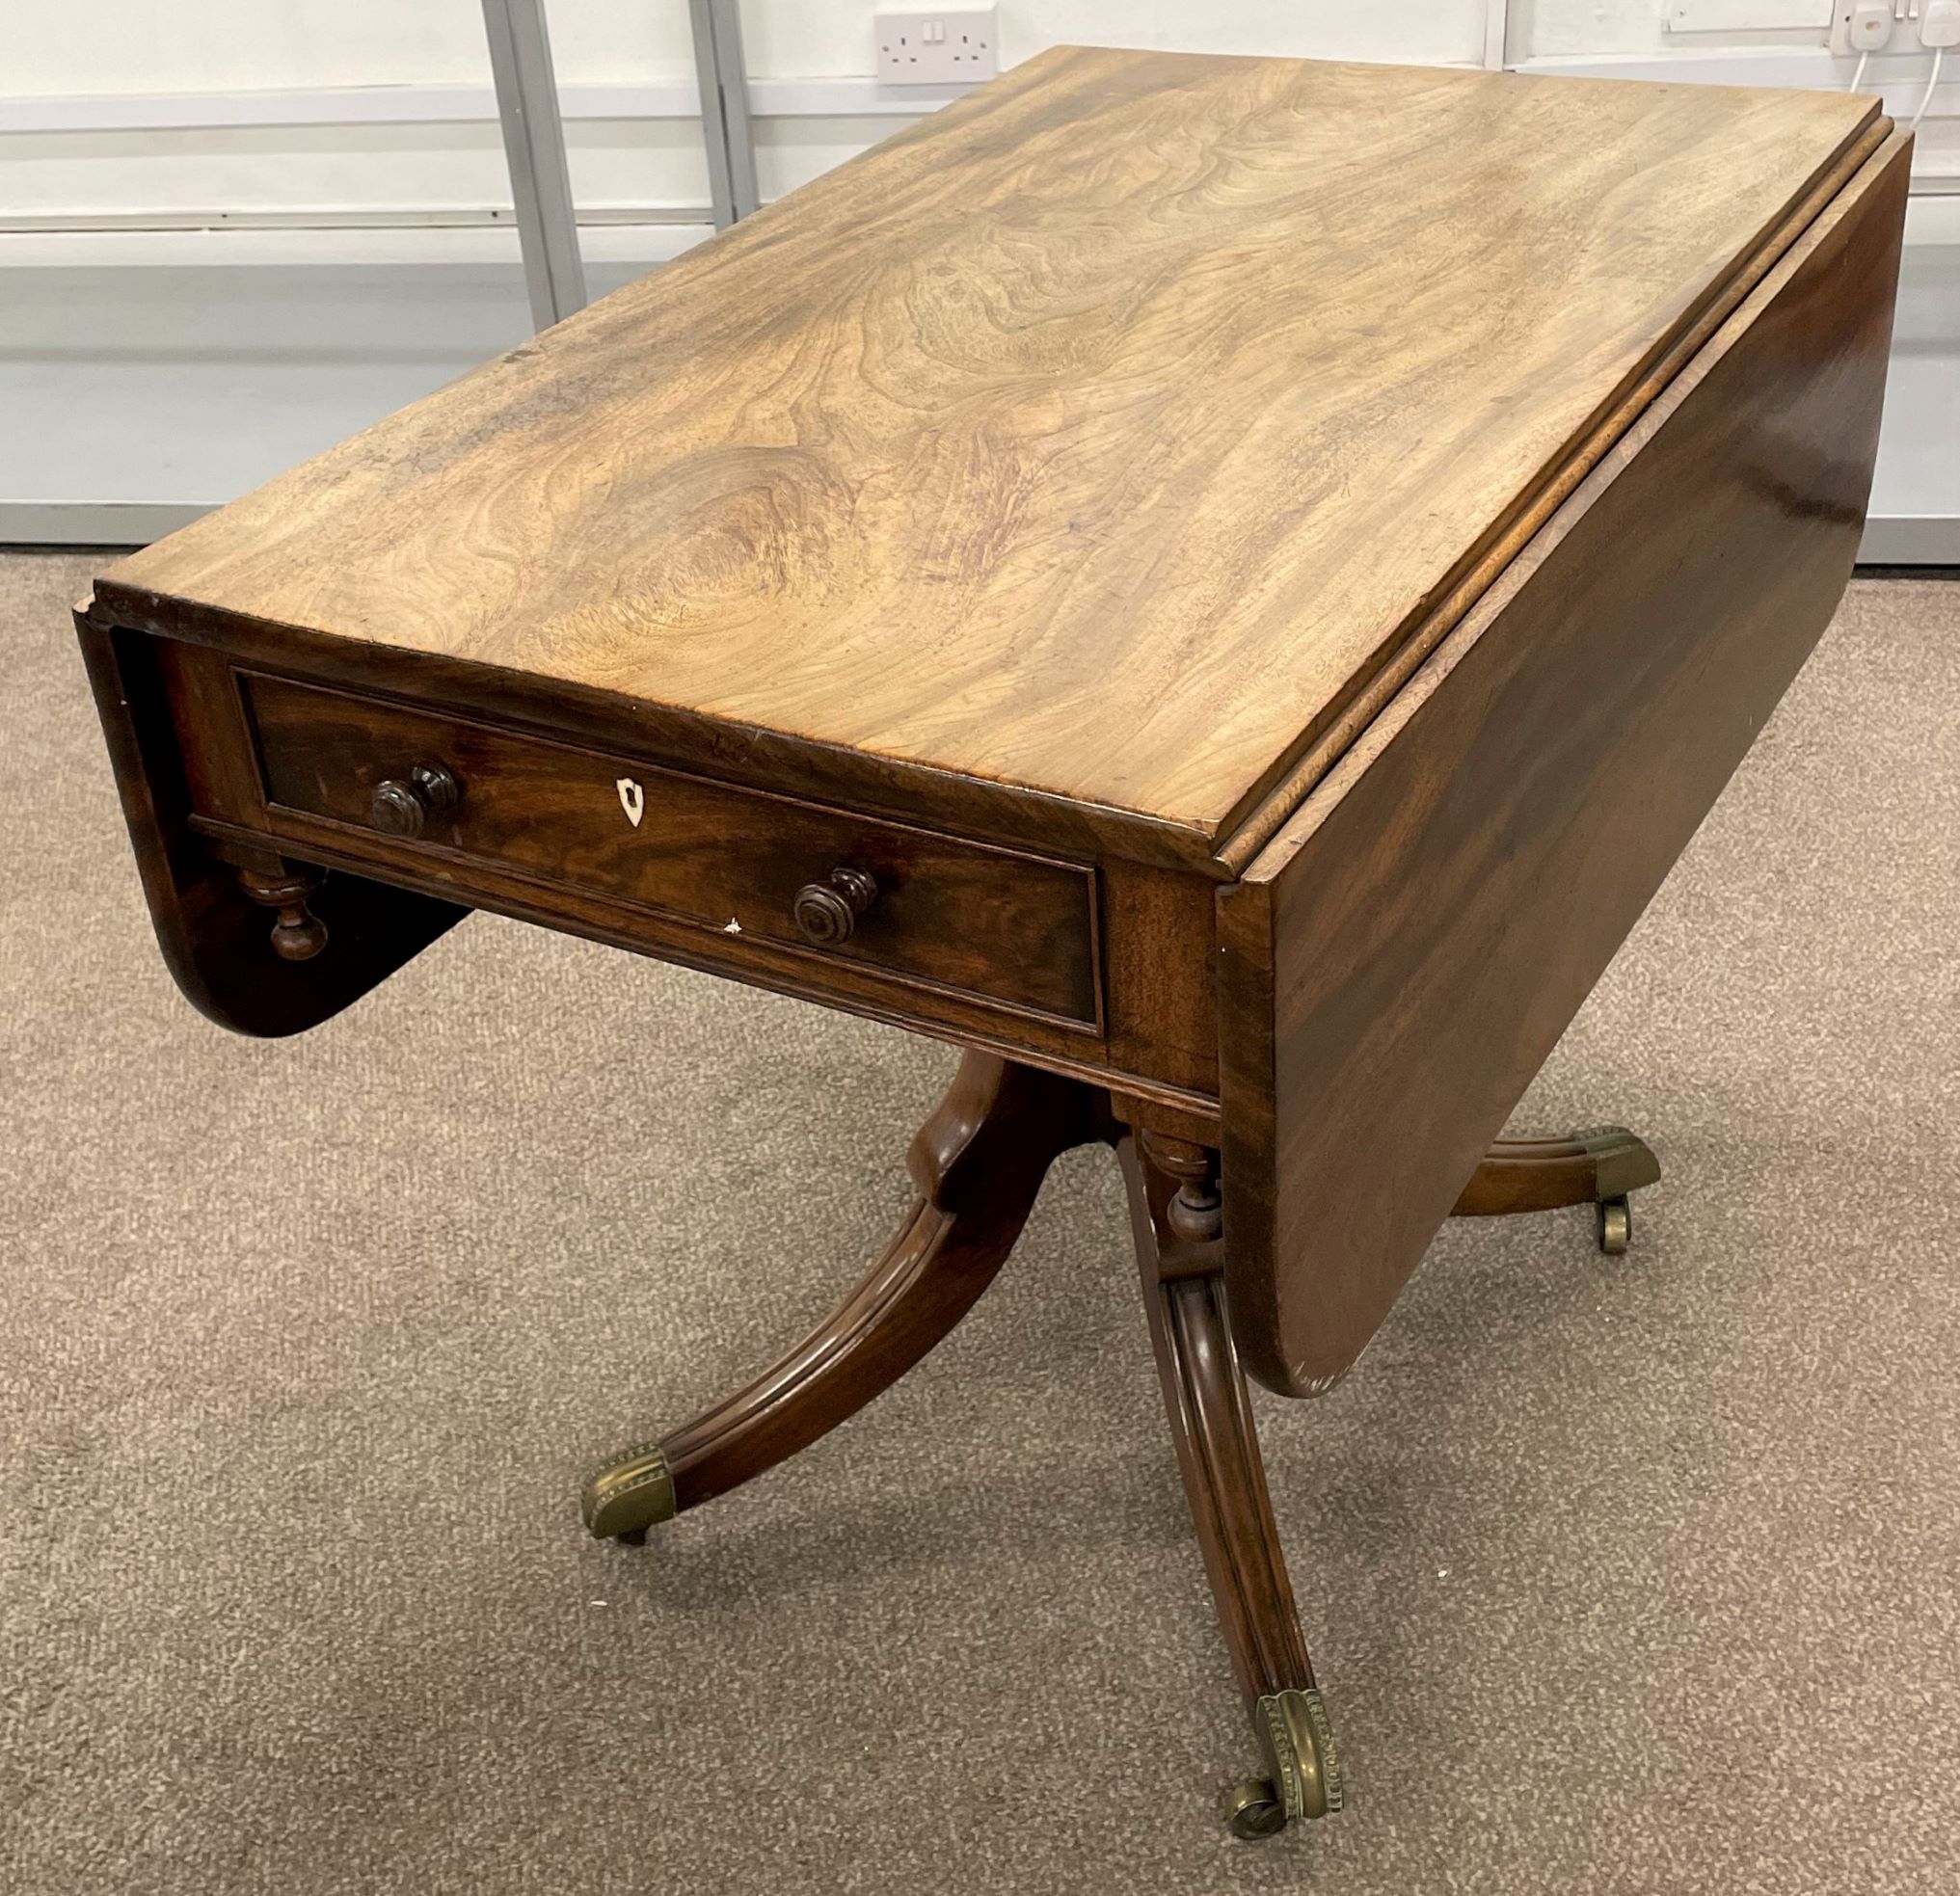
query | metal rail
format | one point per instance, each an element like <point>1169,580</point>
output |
<point>726,127</point>
<point>534,147</point>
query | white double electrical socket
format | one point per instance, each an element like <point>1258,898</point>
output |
<point>1895,26</point>
<point>939,47</point>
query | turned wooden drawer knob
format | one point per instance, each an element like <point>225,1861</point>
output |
<point>401,805</point>
<point>827,912</point>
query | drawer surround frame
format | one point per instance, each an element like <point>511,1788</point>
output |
<point>312,830</point>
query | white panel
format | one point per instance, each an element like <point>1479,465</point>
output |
<point>338,167</point>
<point>1496,35</point>
<point>1564,29</point>
<point>1916,493</point>
<point>791,152</point>
<point>834,36</point>
<point>327,105</point>
<point>1417,32</point>
<point>215,45</point>
<point>807,40</point>
<point>635,242</point>
<point>141,394</point>
<point>1570,29</point>
<point>1746,16</point>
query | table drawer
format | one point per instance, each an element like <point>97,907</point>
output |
<point>991,924</point>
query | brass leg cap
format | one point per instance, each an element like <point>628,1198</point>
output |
<point>1305,1781</point>
<point>631,1493</point>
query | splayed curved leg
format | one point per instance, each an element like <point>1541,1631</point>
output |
<point>1599,1166</point>
<point>1177,1216</point>
<point>978,1162</point>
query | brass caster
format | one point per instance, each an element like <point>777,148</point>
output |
<point>1305,1781</point>
<point>631,1493</point>
<point>1253,1811</point>
<point>1616,1226</point>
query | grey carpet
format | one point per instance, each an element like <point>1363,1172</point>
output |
<point>1629,1576</point>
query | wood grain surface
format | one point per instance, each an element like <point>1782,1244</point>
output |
<point>1098,435</point>
<point>1399,961</point>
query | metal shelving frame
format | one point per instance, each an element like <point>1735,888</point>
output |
<point>534,140</point>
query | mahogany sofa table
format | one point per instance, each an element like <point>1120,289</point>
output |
<point>1221,586</point>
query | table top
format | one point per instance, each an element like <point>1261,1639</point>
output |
<point>1101,435</point>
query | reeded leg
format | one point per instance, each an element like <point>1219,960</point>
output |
<point>978,1162</point>
<point>1599,1166</point>
<point>1175,1209</point>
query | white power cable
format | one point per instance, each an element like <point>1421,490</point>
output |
<point>1858,77</point>
<point>1932,86</point>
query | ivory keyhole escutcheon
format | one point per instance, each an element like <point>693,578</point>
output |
<point>632,799</point>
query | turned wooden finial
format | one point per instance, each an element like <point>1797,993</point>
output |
<point>1195,1210</point>
<point>298,934</point>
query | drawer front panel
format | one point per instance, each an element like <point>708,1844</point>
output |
<point>992,923</point>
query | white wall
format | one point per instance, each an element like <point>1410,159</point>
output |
<point>627,75</point>
<point>267,45</point>
<point>1567,29</point>
<point>139,49</point>
<point>203,45</point>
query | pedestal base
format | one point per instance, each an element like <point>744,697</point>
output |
<point>978,1163</point>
